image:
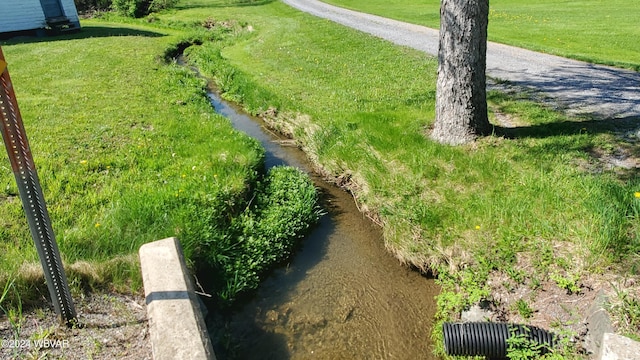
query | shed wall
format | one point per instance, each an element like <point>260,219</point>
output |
<point>18,15</point>
<point>69,8</point>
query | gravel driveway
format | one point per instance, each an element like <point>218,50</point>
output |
<point>581,88</point>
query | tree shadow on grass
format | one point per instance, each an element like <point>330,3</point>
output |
<point>570,123</point>
<point>596,91</point>
<point>622,154</point>
<point>623,127</point>
<point>85,32</point>
<point>620,151</point>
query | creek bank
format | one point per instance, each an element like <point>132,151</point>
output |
<point>305,128</point>
<point>552,308</point>
<point>342,295</point>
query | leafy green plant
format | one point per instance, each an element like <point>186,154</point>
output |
<point>568,282</point>
<point>139,8</point>
<point>523,308</point>
<point>84,6</point>
<point>517,275</point>
<point>281,211</point>
<point>535,283</point>
<point>522,347</point>
<point>132,8</point>
<point>158,5</point>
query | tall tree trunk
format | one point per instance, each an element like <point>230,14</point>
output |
<point>461,98</point>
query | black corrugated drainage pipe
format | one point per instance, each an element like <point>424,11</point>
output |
<point>490,339</point>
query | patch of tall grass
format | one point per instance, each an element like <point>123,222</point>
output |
<point>283,207</point>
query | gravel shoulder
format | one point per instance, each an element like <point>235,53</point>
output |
<point>581,88</point>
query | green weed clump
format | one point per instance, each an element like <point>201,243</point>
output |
<point>280,212</point>
<point>85,6</point>
<point>139,8</point>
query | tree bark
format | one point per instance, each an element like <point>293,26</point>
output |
<point>461,98</point>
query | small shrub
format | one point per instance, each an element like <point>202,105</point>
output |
<point>86,6</point>
<point>140,8</point>
<point>521,347</point>
<point>158,5</point>
<point>523,308</point>
<point>569,282</point>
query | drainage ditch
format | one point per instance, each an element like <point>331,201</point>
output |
<point>341,296</point>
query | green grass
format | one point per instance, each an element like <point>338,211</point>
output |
<point>360,107</point>
<point>129,150</point>
<point>283,208</point>
<point>603,32</point>
<point>464,212</point>
<point>370,108</point>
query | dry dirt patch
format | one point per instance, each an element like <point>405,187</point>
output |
<point>112,326</point>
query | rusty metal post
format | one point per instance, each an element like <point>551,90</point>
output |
<point>15,140</point>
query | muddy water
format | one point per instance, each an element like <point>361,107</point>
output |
<point>342,296</point>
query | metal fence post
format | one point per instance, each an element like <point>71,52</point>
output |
<point>15,140</point>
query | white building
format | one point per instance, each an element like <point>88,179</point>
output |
<point>39,15</point>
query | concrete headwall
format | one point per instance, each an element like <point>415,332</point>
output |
<point>176,323</point>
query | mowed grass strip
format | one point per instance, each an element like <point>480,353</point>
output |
<point>603,32</point>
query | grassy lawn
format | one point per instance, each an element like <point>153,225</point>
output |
<point>603,32</point>
<point>129,150</point>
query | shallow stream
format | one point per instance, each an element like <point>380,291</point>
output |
<point>342,295</point>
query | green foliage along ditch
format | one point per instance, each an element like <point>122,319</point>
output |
<point>129,150</point>
<point>242,248</point>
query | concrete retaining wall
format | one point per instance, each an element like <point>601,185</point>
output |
<point>176,323</point>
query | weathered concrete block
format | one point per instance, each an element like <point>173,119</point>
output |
<point>176,324</point>
<point>616,347</point>
<point>598,323</point>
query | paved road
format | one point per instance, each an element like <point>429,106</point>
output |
<point>602,91</point>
